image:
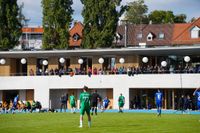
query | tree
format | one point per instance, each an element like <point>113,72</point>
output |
<point>21,17</point>
<point>163,17</point>
<point>136,12</point>
<point>180,18</point>
<point>10,26</point>
<point>192,19</point>
<point>100,22</point>
<point>57,17</point>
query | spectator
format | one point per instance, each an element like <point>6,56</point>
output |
<point>89,71</point>
<point>31,72</point>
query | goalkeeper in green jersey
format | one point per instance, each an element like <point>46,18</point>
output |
<point>72,103</point>
<point>121,101</point>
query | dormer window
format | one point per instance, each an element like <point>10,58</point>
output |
<point>118,37</point>
<point>150,37</point>
<point>195,32</point>
<point>161,36</point>
<point>139,36</point>
<point>76,37</point>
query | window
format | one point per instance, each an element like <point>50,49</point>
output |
<point>76,37</point>
<point>118,37</point>
<point>195,32</point>
<point>150,37</point>
<point>161,36</point>
<point>139,36</point>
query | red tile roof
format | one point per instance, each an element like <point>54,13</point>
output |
<point>182,35</point>
<point>155,29</point>
<point>33,30</point>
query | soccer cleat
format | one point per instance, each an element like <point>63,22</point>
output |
<point>80,126</point>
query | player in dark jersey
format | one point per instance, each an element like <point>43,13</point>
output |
<point>95,98</point>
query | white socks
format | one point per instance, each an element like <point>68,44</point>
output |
<point>81,124</point>
<point>89,123</point>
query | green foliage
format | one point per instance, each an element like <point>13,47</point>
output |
<point>136,12</point>
<point>57,17</point>
<point>163,17</point>
<point>180,18</point>
<point>100,22</point>
<point>103,123</point>
<point>10,26</point>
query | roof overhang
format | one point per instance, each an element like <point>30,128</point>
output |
<point>157,51</point>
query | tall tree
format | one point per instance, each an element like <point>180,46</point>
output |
<point>136,12</point>
<point>180,18</point>
<point>100,22</point>
<point>57,17</point>
<point>10,26</point>
<point>162,17</point>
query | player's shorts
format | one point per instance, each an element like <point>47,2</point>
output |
<point>85,109</point>
<point>105,106</point>
<point>121,104</point>
<point>14,106</point>
<point>72,105</point>
<point>94,104</point>
<point>198,105</point>
<point>158,104</point>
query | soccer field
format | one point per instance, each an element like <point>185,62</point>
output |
<point>102,123</point>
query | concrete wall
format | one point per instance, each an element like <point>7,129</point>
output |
<point>119,84</point>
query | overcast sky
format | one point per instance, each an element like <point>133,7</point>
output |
<point>33,11</point>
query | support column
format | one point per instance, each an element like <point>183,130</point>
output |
<point>116,93</point>
<point>146,100</point>
<point>31,64</point>
<point>42,95</point>
<point>173,102</point>
<point>165,99</point>
<point>22,95</point>
<point>1,96</point>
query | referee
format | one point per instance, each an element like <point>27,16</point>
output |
<point>95,98</point>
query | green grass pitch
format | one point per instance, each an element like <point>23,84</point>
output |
<point>102,123</point>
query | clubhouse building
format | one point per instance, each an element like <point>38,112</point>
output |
<point>144,58</point>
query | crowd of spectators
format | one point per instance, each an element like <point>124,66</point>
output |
<point>130,71</point>
<point>22,106</point>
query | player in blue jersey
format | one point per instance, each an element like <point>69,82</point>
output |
<point>106,103</point>
<point>158,97</point>
<point>197,94</point>
<point>15,101</point>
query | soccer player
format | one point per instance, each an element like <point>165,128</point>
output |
<point>85,98</point>
<point>63,100</point>
<point>95,98</point>
<point>121,101</point>
<point>158,97</point>
<point>197,94</point>
<point>106,102</point>
<point>72,103</point>
<point>15,101</point>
